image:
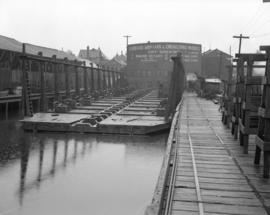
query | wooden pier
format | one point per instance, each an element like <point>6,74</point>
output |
<point>204,169</point>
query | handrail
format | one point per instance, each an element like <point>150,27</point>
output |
<point>155,208</point>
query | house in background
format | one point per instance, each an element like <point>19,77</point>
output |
<point>214,64</point>
<point>94,55</point>
<point>118,62</point>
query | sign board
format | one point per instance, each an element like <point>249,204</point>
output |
<point>157,56</point>
<point>149,64</point>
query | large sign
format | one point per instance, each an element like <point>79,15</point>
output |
<point>164,52</point>
<point>157,56</point>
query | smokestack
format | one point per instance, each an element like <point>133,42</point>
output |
<point>87,53</point>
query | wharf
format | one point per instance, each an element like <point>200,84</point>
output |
<point>208,172</point>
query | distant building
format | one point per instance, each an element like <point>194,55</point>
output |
<point>214,64</point>
<point>118,61</point>
<point>149,64</point>
<point>94,55</point>
<point>121,58</point>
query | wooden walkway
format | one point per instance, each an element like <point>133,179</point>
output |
<point>212,175</point>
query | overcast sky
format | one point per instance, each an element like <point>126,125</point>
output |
<point>74,24</point>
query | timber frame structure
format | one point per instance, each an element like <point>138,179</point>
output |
<point>263,136</point>
<point>48,79</point>
<point>250,97</point>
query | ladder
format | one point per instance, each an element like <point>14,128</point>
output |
<point>27,107</point>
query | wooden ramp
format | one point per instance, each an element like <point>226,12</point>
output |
<point>208,173</point>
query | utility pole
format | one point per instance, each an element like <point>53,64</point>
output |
<point>127,36</point>
<point>240,41</point>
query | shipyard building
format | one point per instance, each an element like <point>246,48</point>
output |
<point>149,64</point>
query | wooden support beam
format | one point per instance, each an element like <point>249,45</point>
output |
<point>77,84</point>
<point>254,56</point>
<point>85,78</point>
<point>113,78</point>
<point>109,78</point>
<point>93,86</point>
<point>55,72</point>
<point>104,78</point>
<point>98,77</point>
<point>42,70</point>
<point>50,60</point>
<point>66,71</point>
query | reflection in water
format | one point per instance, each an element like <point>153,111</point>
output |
<point>24,162</point>
<point>54,157</point>
<point>65,152</point>
<point>106,174</point>
<point>41,153</point>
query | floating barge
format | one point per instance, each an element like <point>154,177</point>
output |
<point>109,115</point>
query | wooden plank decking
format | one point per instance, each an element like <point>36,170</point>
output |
<point>213,176</point>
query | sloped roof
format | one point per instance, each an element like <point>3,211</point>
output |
<point>215,52</point>
<point>11,44</point>
<point>121,57</point>
<point>119,61</point>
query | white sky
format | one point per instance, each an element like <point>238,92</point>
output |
<point>74,24</point>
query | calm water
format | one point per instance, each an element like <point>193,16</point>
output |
<point>55,174</point>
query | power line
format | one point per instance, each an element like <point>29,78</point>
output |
<point>259,27</point>
<point>261,35</point>
<point>254,17</point>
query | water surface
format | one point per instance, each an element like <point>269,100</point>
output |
<point>55,174</point>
